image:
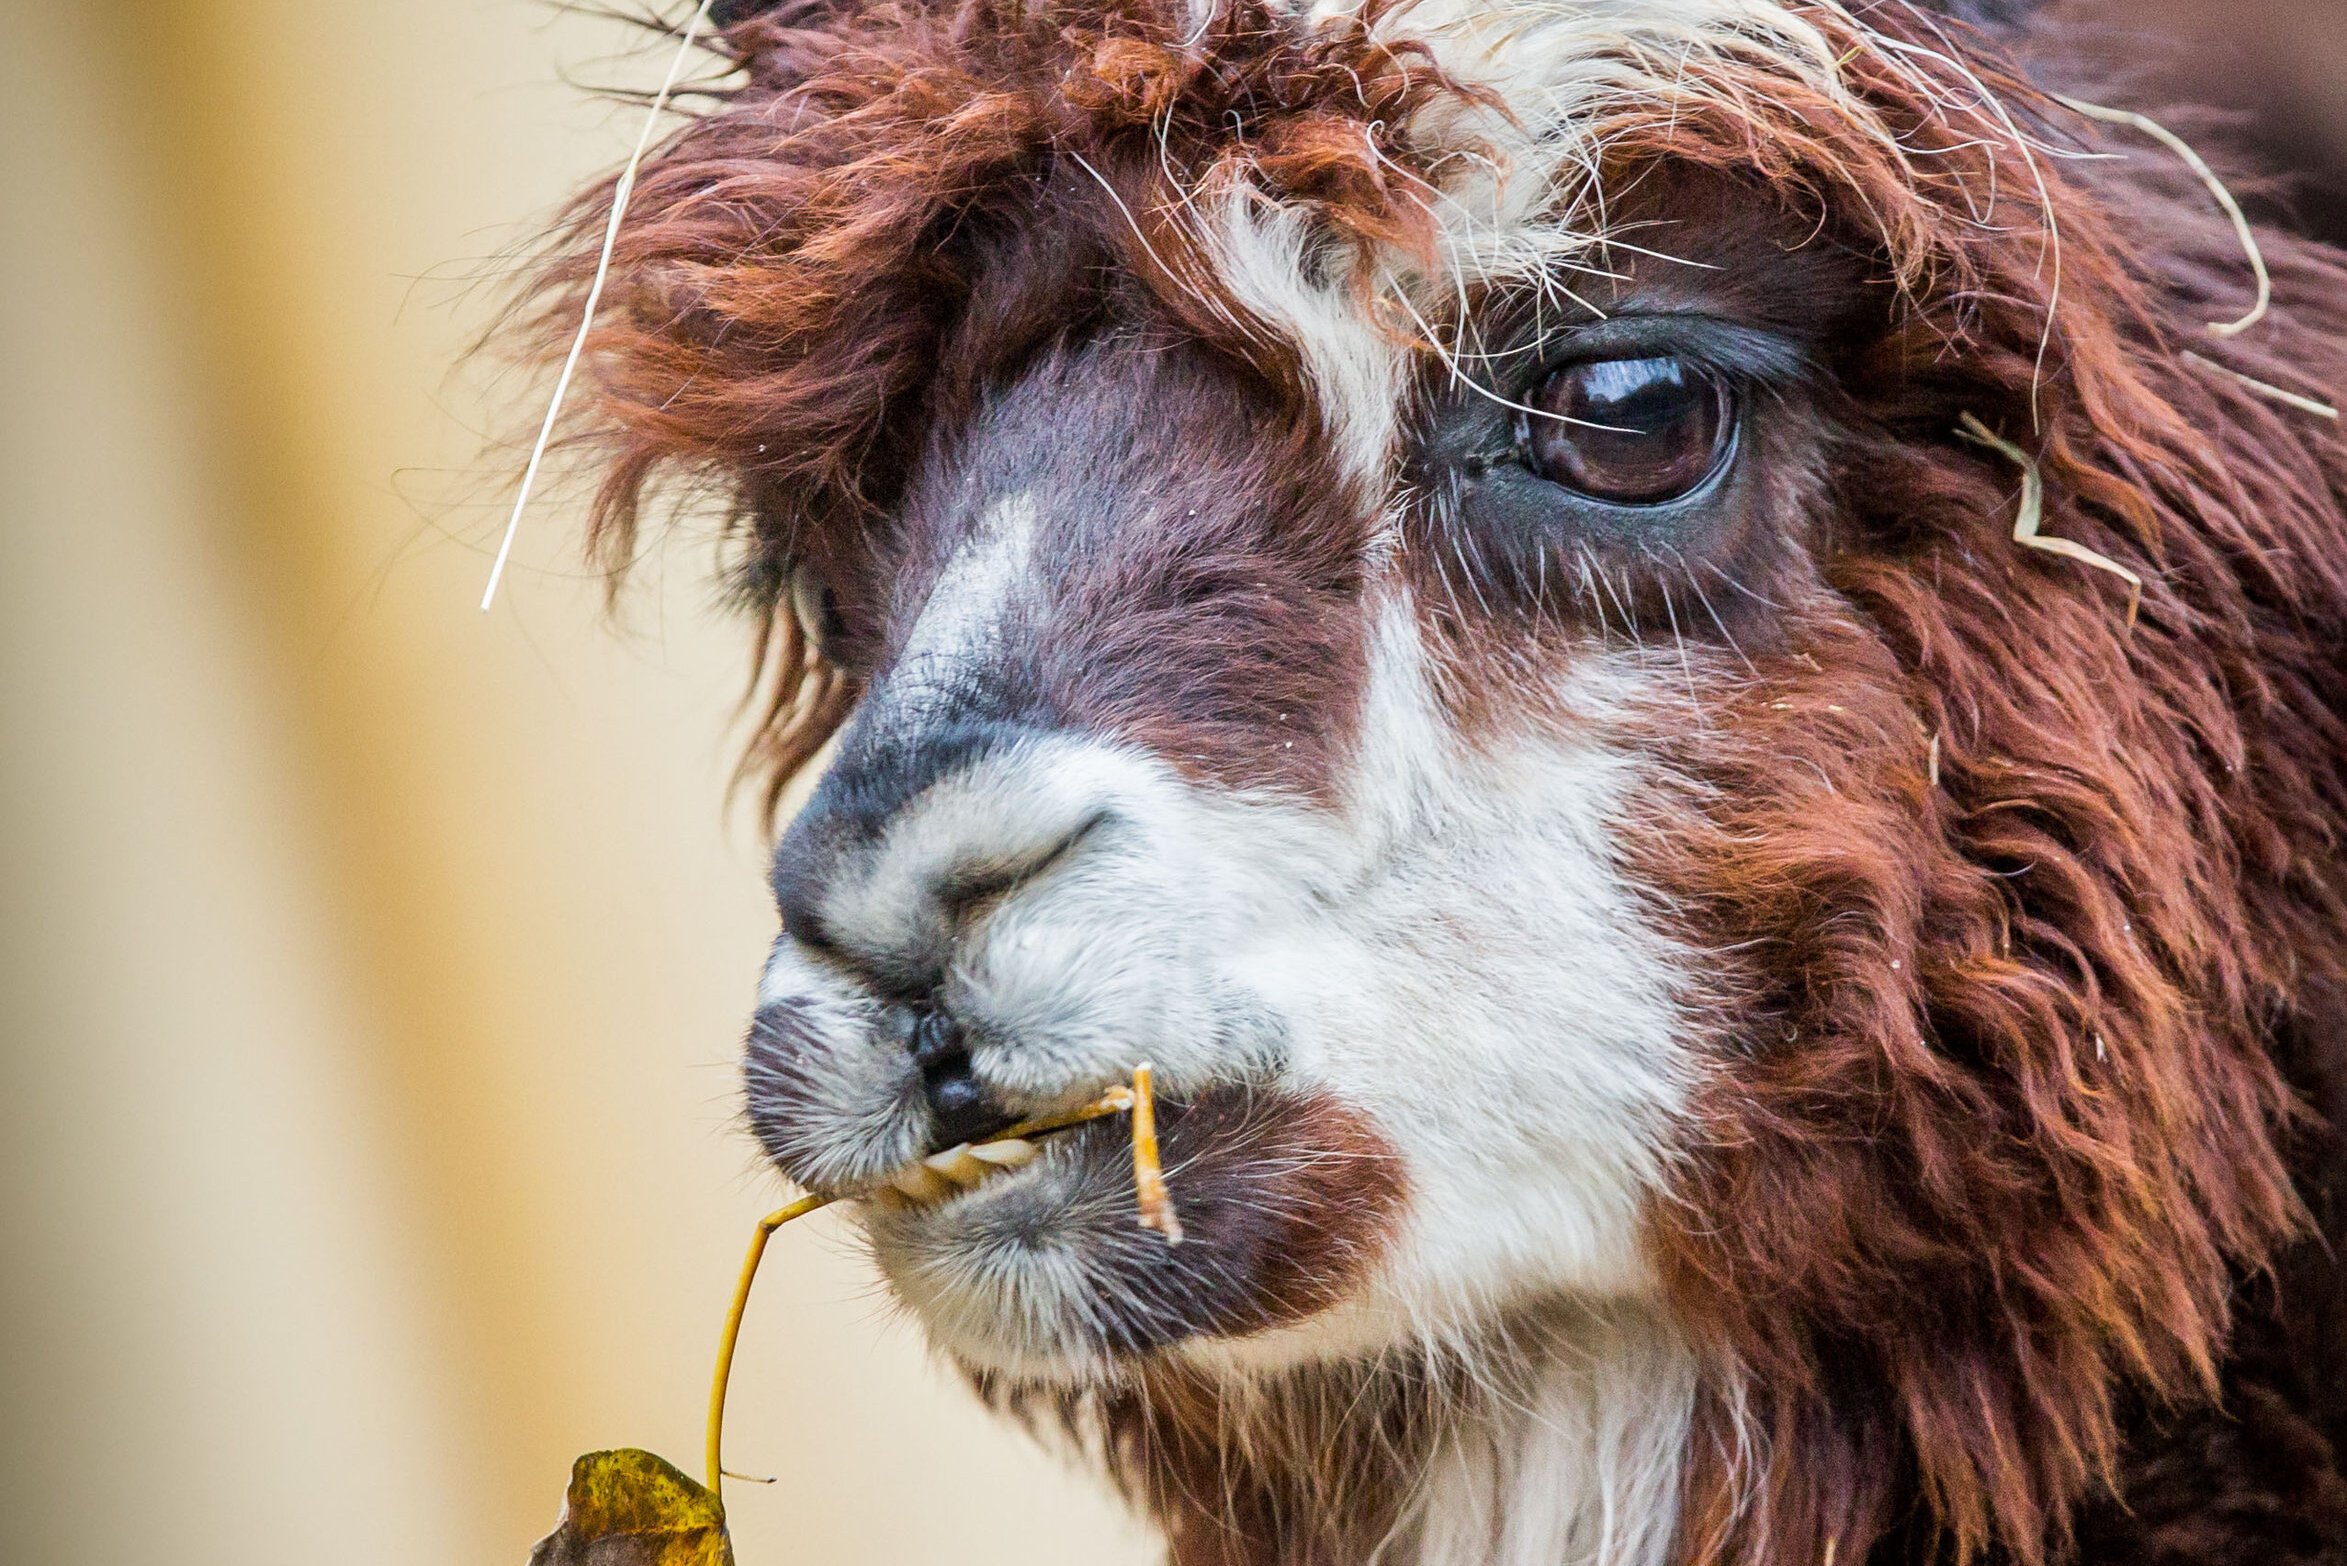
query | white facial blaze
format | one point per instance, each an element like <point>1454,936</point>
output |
<point>959,626</point>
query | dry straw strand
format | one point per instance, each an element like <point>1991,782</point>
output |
<point>715,1437</point>
<point>1116,1101</point>
<point>2321,410</point>
<point>2208,176</point>
<point>570,364</point>
<point>1156,1202</point>
<point>2032,516</point>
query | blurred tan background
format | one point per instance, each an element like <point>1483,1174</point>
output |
<point>372,967</point>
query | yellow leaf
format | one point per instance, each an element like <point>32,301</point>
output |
<point>630,1508</point>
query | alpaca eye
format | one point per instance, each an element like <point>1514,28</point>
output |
<point>1633,432</point>
<point>816,608</point>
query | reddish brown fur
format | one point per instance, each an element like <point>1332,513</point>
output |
<point>2003,1126</point>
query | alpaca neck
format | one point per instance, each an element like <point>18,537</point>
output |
<point>1574,1456</point>
<point>1557,1440</point>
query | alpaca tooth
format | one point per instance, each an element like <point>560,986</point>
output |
<point>956,1164</point>
<point>922,1183</point>
<point>1015,1153</point>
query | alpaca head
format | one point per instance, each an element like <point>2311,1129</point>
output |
<point>1415,568</point>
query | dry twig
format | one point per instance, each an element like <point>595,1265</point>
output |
<point>1156,1213</point>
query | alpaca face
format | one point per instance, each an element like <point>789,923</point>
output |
<point>1416,570</point>
<point>1286,710</point>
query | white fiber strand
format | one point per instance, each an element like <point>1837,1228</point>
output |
<point>2032,513</point>
<point>2321,410</point>
<point>619,200</point>
<point>2208,176</point>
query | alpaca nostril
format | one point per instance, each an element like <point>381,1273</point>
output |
<point>937,1044</point>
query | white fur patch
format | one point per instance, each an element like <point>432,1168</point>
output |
<point>1355,369</point>
<point>1477,975</point>
<point>1454,952</point>
<point>1507,1014</point>
<point>1578,1465</point>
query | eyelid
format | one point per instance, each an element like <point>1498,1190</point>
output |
<point>1744,354</point>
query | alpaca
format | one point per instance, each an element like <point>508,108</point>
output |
<point>1454,575</point>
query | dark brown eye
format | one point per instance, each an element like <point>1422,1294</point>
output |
<point>816,607</point>
<point>1635,432</point>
